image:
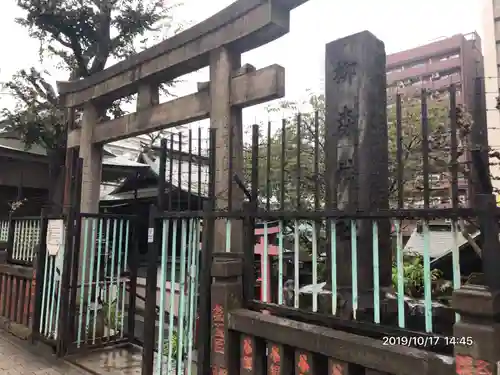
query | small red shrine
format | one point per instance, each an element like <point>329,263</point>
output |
<point>273,230</point>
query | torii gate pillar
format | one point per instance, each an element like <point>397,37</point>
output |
<point>91,153</point>
<point>226,119</point>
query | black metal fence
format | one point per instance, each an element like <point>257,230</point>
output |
<point>333,249</point>
<point>317,248</point>
<point>319,243</point>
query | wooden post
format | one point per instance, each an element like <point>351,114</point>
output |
<point>356,153</point>
<point>336,367</point>
<point>279,359</point>
<point>307,363</point>
<point>252,356</point>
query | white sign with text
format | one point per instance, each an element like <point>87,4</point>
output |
<point>55,236</point>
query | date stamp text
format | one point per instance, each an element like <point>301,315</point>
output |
<point>427,341</point>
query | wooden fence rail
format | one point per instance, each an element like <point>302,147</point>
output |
<point>16,297</point>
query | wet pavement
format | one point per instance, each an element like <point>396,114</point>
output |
<point>115,361</point>
<point>16,360</point>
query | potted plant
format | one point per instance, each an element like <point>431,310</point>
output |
<point>172,355</point>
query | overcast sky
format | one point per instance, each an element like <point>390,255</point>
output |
<point>400,24</point>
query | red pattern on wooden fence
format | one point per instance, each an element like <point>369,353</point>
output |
<point>17,298</point>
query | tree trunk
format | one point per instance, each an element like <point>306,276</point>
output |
<point>57,168</point>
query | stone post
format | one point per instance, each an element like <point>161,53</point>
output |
<point>227,120</point>
<point>227,294</point>
<point>356,154</point>
<point>91,153</point>
<point>476,336</point>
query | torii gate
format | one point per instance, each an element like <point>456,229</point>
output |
<point>217,42</point>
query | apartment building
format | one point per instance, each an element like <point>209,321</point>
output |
<point>491,48</point>
<point>435,66</point>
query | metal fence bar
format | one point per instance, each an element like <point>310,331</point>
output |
<point>23,237</point>
<point>4,230</point>
<point>299,264</point>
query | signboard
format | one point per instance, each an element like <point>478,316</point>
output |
<point>55,236</point>
<point>151,235</point>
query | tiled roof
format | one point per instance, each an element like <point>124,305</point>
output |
<point>198,186</point>
<point>109,160</point>
<point>441,242</point>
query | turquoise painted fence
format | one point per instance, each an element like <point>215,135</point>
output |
<point>410,270</point>
<point>175,344</point>
<point>51,295</point>
<point>101,282</point>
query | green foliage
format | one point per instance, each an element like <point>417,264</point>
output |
<point>278,149</point>
<point>36,118</point>
<point>174,348</point>
<point>322,270</point>
<point>84,34</point>
<point>112,315</point>
<point>413,275</point>
<point>79,36</point>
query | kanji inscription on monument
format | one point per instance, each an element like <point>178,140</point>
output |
<point>347,120</point>
<point>356,150</point>
<point>345,71</point>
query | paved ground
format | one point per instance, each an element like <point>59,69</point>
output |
<point>15,360</point>
<point>113,361</point>
<point>116,361</point>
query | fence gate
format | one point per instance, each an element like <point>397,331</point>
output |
<point>178,278</point>
<point>99,278</point>
<point>82,285</point>
<point>85,278</point>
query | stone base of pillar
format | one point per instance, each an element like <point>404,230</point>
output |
<point>365,304</point>
<point>476,337</point>
<point>226,295</point>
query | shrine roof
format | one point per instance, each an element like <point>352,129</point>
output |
<point>145,182</point>
<point>441,241</point>
<point>14,146</point>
